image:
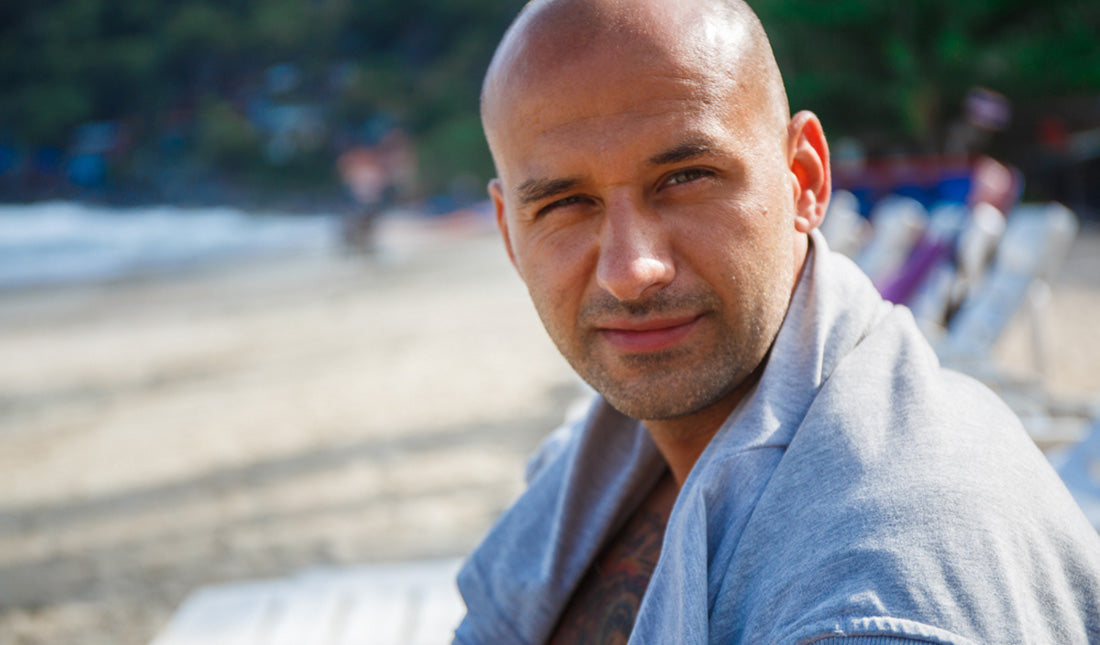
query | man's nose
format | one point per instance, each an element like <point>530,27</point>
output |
<point>635,258</point>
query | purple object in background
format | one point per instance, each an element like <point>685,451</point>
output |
<point>928,252</point>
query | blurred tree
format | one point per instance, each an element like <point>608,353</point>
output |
<point>225,137</point>
<point>455,149</point>
<point>902,69</point>
<point>46,111</point>
<point>886,72</point>
<point>199,41</point>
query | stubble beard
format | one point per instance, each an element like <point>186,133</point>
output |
<point>679,381</point>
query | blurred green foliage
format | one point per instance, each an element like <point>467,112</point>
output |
<point>872,69</point>
<point>898,71</point>
<point>193,67</point>
<point>224,136</point>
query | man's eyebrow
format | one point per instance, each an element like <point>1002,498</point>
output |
<point>682,152</point>
<point>534,190</point>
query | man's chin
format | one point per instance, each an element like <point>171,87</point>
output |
<point>671,389</point>
<point>655,403</point>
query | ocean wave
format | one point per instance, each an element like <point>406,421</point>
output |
<point>68,242</point>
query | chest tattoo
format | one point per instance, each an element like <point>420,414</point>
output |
<point>604,605</point>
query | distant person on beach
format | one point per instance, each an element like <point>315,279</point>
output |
<point>374,175</point>
<point>775,455</point>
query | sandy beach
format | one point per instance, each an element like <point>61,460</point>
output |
<point>251,420</point>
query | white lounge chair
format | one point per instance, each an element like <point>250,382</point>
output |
<point>1035,243</point>
<point>897,223</point>
<point>413,603</point>
<point>1079,468</point>
<point>844,228</point>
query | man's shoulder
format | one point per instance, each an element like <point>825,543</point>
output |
<point>918,497</point>
<point>921,448</point>
<point>891,389</point>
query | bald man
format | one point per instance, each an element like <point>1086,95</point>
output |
<point>775,455</point>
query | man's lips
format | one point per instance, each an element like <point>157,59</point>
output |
<point>650,335</point>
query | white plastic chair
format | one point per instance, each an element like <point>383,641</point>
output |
<point>897,223</point>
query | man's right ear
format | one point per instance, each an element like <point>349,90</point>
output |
<point>496,193</point>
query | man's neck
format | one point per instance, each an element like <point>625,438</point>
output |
<point>682,440</point>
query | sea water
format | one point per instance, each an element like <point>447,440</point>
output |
<point>67,242</point>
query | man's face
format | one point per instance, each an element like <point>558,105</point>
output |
<point>649,210</point>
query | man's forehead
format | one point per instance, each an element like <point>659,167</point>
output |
<point>574,40</point>
<point>583,109</point>
<point>561,80</point>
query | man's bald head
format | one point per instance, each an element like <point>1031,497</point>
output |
<point>654,194</point>
<point>721,42</point>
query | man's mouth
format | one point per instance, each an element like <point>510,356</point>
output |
<point>649,335</point>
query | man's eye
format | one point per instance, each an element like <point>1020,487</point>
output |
<point>684,176</point>
<point>567,201</point>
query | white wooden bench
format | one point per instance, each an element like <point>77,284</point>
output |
<point>414,603</point>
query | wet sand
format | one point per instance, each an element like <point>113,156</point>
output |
<point>252,420</point>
